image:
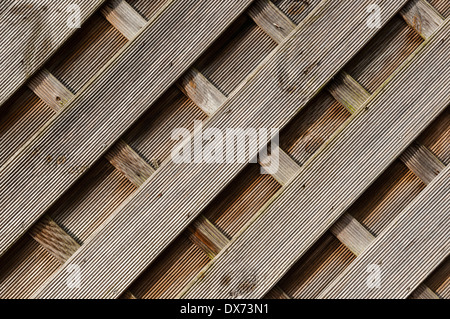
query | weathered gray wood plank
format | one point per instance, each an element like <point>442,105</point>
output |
<point>291,77</point>
<point>106,108</point>
<point>31,33</point>
<point>407,252</point>
<point>327,185</point>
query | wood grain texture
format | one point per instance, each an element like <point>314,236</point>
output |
<point>123,17</point>
<point>50,90</point>
<point>54,239</point>
<point>352,234</point>
<point>167,191</point>
<point>422,17</point>
<point>269,18</point>
<point>288,227</point>
<point>422,162</point>
<point>109,109</point>
<point>129,163</point>
<point>348,92</point>
<point>201,91</point>
<point>31,33</point>
<point>205,235</point>
<point>407,252</point>
<point>287,168</point>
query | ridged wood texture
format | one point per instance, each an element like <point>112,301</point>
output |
<point>31,33</point>
<point>407,252</point>
<point>421,85</point>
<point>170,194</point>
<point>110,109</point>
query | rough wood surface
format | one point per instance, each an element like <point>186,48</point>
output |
<point>31,33</point>
<point>50,90</point>
<point>163,52</point>
<point>422,17</point>
<point>294,217</point>
<point>422,162</point>
<point>129,163</point>
<point>193,182</point>
<point>201,91</point>
<point>123,17</point>
<point>407,252</point>
<point>54,239</point>
<point>269,18</point>
<point>348,92</point>
<point>287,168</point>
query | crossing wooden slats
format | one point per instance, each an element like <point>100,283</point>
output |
<point>21,117</point>
<point>121,155</point>
<point>50,90</point>
<point>269,18</point>
<point>201,91</point>
<point>296,10</point>
<point>108,108</point>
<point>165,194</point>
<point>357,238</point>
<point>407,252</point>
<point>277,25</point>
<point>294,221</point>
<point>423,292</point>
<point>439,280</point>
<point>31,33</point>
<point>131,164</point>
<point>422,162</point>
<point>352,234</point>
<point>422,17</point>
<point>54,239</point>
<point>207,236</point>
<point>287,167</point>
<point>348,92</point>
<point>123,17</point>
<point>375,63</point>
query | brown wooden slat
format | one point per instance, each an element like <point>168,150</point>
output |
<point>422,162</point>
<point>123,17</point>
<point>271,19</point>
<point>50,90</point>
<point>201,91</point>
<point>54,239</point>
<point>129,163</point>
<point>422,17</point>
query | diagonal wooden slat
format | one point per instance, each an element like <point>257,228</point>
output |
<point>164,51</point>
<point>407,252</point>
<point>357,238</point>
<point>31,34</point>
<point>328,185</point>
<point>167,191</point>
